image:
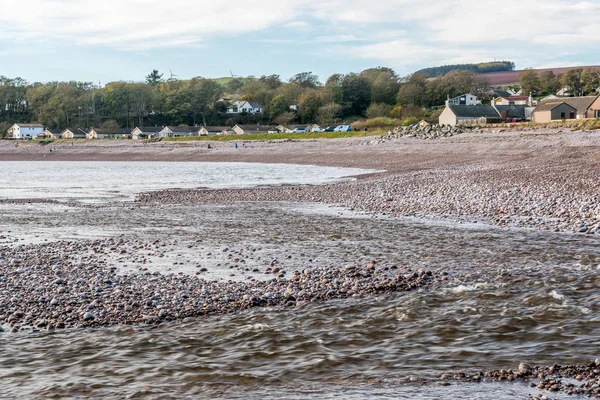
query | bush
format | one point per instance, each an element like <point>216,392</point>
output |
<point>434,118</point>
<point>375,123</point>
<point>376,110</point>
<point>413,111</point>
<point>410,121</point>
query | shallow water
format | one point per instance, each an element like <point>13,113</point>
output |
<point>512,296</point>
<point>93,181</point>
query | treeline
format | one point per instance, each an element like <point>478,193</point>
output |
<point>576,81</point>
<point>375,92</point>
<point>481,68</point>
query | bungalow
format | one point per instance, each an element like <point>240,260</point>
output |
<point>50,134</point>
<point>101,133</point>
<point>25,131</point>
<point>547,112</point>
<point>585,107</point>
<point>469,115</point>
<point>249,107</point>
<point>176,131</point>
<point>466,99</point>
<point>213,130</point>
<point>73,133</point>
<point>144,132</point>
<point>253,129</point>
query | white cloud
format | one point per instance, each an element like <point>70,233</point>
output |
<point>401,32</point>
<point>143,23</point>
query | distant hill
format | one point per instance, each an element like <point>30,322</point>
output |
<point>480,68</point>
<point>512,77</point>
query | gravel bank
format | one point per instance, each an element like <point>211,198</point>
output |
<point>63,285</point>
<point>549,198</point>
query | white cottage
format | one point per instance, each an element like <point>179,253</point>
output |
<point>249,107</point>
<point>25,131</point>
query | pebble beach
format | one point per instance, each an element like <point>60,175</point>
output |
<point>495,183</point>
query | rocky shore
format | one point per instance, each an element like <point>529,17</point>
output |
<point>64,285</point>
<point>574,379</point>
<point>548,198</point>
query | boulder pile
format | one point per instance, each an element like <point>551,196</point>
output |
<point>420,131</point>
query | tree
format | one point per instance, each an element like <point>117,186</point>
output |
<point>306,80</point>
<point>529,81</point>
<point>549,83</point>
<point>590,80</point>
<point>285,118</point>
<point>272,81</point>
<point>572,81</point>
<point>384,84</point>
<point>332,92</point>
<point>329,113</point>
<point>309,103</point>
<point>110,124</point>
<point>356,94</point>
<point>154,78</point>
<point>378,110</point>
<point>278,106</point>
<point>235,84</point>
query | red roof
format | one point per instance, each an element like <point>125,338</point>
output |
<point>516,98</point>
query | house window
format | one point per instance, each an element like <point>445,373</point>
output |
<point>563,115</point>
<point>597,114</point>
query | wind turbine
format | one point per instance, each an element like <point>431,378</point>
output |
<point>173,76</point>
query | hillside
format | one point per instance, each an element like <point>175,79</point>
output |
<point>224,81</point>
<point>512,77</point>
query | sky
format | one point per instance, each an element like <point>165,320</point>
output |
<point>110,40</point>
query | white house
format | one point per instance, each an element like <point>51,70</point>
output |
<point>144,132</point>
<point>466,99</point>
<point>515,101</point>
<point>213,130</point>
<point>73,133</point>
<point>250,107</point>
<point>25,131</point>
<point>176,131</point>
<point>253,129</point>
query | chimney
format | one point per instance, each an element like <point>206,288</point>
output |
<point>530,100</point>
<point>447,100</point>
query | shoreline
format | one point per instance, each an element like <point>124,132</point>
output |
<point>543,179</point>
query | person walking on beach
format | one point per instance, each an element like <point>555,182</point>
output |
<point>236,145</point>
<point>208,146</point>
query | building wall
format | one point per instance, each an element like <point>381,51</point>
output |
<point>594,110</point>
<point>447,117</point>
<point>542,116</point>
<point>555,114</point>
<point>563,112</point>
<point>22,133</point>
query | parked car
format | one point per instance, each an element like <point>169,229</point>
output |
<point>343,128</point>
<point>330,129</point>
<point>298,130</point>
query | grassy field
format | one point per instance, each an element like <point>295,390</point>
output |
<point>278,136</point>
<point>225,80</point>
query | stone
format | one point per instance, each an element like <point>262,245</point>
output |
<point>524,368</point>
<point>88,316</point>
